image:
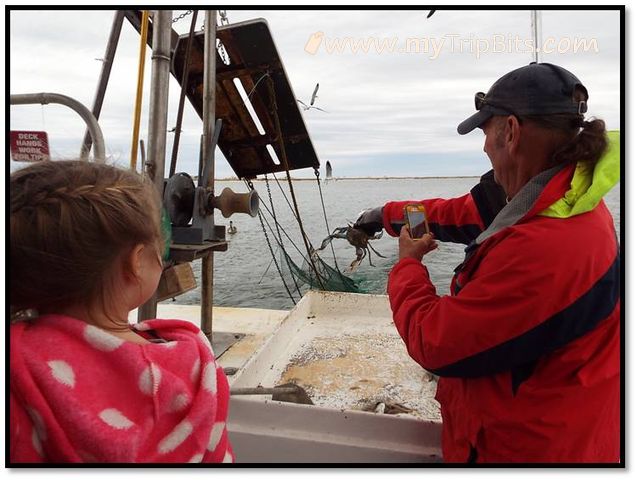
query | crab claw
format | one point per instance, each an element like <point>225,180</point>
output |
<point>353,266</point>
<point>326,242</point>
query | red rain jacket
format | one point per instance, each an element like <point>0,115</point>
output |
<point>527,344</point>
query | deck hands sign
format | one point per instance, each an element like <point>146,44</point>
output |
<point>27,146</point>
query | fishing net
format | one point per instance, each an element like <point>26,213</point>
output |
<point>329,278</point>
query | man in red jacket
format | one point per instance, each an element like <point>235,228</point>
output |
<point>527,344</point>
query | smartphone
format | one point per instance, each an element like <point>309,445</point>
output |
<point>416,220</point>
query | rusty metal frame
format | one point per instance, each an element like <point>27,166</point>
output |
<point>253,56</point>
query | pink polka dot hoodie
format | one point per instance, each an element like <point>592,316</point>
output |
<point>80,394</point>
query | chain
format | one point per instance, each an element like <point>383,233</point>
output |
<point>219,44</point>
<point>222,52</point>
<point>223,20</point>
<point>183,15</point>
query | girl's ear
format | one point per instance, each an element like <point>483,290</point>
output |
<point>133,264</point>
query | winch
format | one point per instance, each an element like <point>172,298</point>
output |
<point>185,202</point>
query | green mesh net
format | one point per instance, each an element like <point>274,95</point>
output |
<point>328,279</point>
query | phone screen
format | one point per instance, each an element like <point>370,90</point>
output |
<point>417,223</point>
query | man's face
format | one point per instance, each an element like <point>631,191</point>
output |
<point>494,146</point>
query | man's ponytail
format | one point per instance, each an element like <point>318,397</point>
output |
<point>588,145</point>
<point>583,141</point>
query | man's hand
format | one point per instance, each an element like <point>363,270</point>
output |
<point>414,248</point>
<point>370,221</point>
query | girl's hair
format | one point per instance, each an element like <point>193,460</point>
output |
<point>70,222</point>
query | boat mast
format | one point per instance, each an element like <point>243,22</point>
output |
<point>536,30</point>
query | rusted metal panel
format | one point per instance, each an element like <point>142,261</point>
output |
<point>254,60</point>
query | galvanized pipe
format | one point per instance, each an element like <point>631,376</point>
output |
<point>156,155</point>
<point>208,158</point>
<point>209,81</point>
<point>99,155</point>
<point>159,82</point>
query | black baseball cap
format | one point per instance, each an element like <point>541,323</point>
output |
<point>535,89</point>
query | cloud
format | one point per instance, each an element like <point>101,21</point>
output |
<point>387,109</point>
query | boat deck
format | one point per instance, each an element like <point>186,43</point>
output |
<point>372,402</point>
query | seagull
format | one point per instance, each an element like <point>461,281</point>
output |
<point>307,107</point>
<point>311,105</point>
<point>314,97</point>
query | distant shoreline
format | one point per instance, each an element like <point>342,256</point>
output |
<point>232,179</point>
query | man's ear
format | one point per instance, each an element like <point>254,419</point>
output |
<point>133,261</point>
<point>512,137</point>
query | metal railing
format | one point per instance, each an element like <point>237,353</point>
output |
<point>99,155</point>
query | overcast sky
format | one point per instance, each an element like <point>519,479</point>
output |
<point>393,113</point>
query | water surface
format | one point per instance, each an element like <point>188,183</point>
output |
<point>240,277</point>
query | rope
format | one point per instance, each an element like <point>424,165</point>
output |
<point>285,196</point>
<point>266,74</point>
<point>287,173</point>
<point>267,239</point>
<point>346,282</point>
<point>327,226</point>
<point>262,205</point>
<point>267,184</point>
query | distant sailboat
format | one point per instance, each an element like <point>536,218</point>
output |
<point>328,171</point>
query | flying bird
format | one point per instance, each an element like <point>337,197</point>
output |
<point>314,96</point>
<point>312,100</point>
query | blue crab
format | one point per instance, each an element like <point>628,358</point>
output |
<point>358,239</point>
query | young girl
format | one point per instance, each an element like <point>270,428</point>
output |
<point>85,385</point>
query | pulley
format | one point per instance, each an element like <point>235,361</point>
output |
<point>179,198</point>
<point>185,202</point>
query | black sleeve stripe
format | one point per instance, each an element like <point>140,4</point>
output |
<point>489,198</point>
<point>464,234</point>
<point>397,227</point>
<point>521,374</point>
<point>573,322</point>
